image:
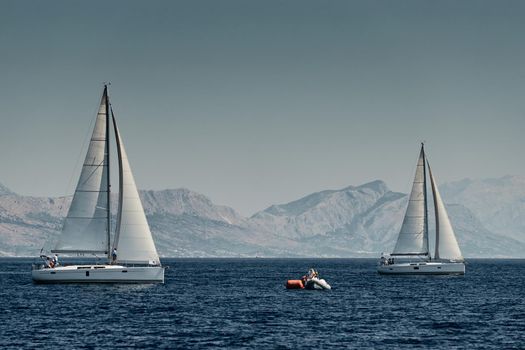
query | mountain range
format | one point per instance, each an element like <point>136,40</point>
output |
<point>356,221</point>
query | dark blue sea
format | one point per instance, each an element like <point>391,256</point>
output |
<point>242,303</point>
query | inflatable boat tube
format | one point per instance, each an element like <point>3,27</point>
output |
<point>294,284</point>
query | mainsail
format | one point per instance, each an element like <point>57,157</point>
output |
<point>413,237</point>
<point>446,244</point>
<point>86,226</point>
<point>133,239</point>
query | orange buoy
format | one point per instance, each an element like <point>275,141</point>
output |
<point>294,284</point>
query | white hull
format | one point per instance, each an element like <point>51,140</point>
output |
<point>423,268</point>
<point>316,283</point>
<point>99,274</point>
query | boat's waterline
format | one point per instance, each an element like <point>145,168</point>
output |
<point>423,268</point>
<point>99,274</point>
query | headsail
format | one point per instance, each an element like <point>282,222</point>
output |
<point>446,244</point>
<point>133,239</point>
<point>86,226</point>
<point>413,237</point>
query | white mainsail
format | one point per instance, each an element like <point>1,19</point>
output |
<point>413,238</point>
<point>85,228</point>
<point>447,247</point>
<point>133,239</point>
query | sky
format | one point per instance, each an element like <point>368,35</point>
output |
<point>254,103</point>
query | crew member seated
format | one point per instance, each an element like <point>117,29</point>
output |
<point>312,273</point>
<point>48,262</point>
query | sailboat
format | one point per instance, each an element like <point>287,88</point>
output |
<point>132,256</point>
<point>413,240</point>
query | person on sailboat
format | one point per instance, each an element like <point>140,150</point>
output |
<point>383,260</point>
<point>55,260</point>
<point>47,261</point>
<point>114,255</point>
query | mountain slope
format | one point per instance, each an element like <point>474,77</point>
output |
<point>354,221</point>
<point>26,222</point>
<point>365,220</point>
<point>498,203</point>
<point>183,223</point>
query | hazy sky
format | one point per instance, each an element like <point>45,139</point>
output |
<point>260,102</point>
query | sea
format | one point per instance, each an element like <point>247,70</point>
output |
<point>243,304</point>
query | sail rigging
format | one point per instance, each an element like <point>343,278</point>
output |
<point>87,224</point>
<point>413,236</point>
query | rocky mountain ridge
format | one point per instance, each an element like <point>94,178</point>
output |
<point>351,222</point>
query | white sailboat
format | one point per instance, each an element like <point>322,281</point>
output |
<point>132,256</point>
<point>413,241</point>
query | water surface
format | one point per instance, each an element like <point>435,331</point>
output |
<point>242,303</point>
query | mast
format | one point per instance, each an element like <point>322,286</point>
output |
<point>108,174</point>
<point>120,182</point>
<point>436,212</point>
<point>425,199</point>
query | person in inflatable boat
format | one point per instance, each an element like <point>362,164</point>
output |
<point>312,274</point>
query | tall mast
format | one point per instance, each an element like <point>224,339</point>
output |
<point>108,173</point>
<point>120,182</point>
<point>425,197</point>
<point>436,213</point>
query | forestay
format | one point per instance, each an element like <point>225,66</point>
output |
<point>133,239</point>
<point>413,238</point>
<point>447,247</point>
<point>85,227</point>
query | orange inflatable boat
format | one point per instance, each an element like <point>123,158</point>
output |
<point>309,281</point>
